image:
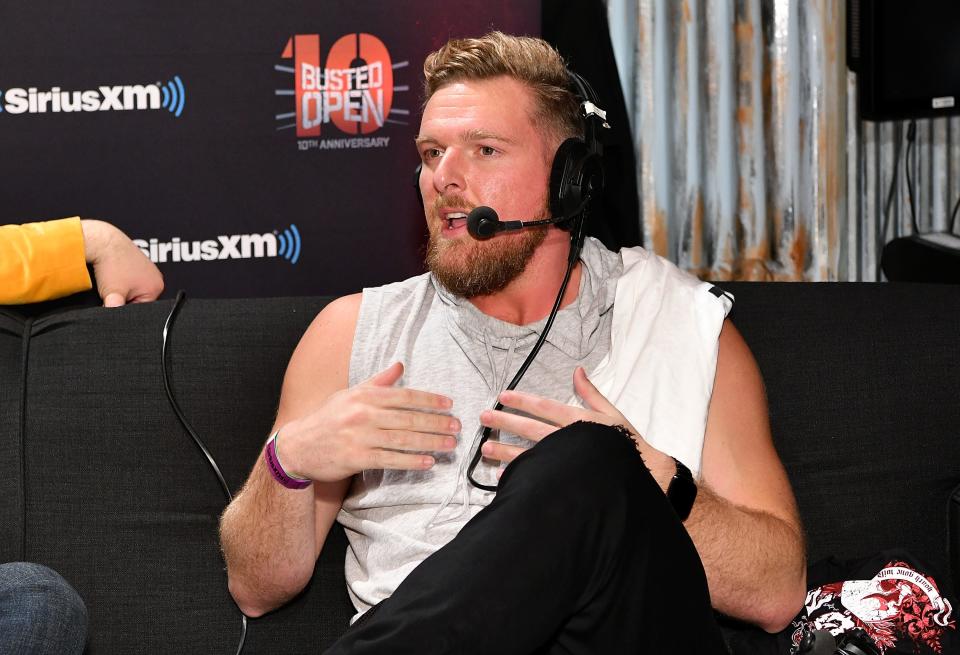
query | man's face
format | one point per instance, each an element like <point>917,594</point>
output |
<point>479,146</point>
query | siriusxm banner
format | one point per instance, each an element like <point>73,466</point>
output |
<point>249,149</point>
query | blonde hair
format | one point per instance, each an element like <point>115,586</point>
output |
<point>533,62</point>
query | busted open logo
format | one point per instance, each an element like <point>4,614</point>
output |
<point>352,90</point>
<point>170,96</point>
<point>284,243</point>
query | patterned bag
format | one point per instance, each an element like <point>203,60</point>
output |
<point>885,604</point>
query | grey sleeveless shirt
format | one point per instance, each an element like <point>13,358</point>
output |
<point>396,519</point>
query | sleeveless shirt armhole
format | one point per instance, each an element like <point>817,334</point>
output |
<point>371,302</point>
<point>725,297</point>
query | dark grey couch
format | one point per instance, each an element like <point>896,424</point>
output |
<point>102,483</point>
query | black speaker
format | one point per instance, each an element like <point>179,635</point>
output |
<point>905,55</point>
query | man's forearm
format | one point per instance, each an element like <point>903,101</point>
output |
<point>268,536</point>
<point>755,562</point>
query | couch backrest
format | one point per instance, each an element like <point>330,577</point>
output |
<point>103,484</point>
<point>863,383</point>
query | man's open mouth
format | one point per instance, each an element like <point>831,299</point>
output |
<point>456,219</point>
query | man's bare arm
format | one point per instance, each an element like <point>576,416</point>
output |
<point>745,522</point>
<point>272,536</point>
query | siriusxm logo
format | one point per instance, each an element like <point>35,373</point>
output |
<point>137,97</point>
<point>284,244</point>
<point>290,243</point>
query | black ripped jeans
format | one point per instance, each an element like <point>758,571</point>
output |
<point>579,553</point>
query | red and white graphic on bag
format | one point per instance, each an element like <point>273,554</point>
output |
<point>897,603</point>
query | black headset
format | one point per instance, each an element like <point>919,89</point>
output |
<point>576,176</point>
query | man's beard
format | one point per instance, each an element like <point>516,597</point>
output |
<point>469,267</point>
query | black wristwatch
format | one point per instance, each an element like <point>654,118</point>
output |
<point>682,491</point>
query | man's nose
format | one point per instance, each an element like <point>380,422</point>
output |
<point>449,172</point>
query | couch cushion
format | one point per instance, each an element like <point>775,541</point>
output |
<point>120,499</point>
<point>11,467</point>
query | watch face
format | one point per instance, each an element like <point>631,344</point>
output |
<point>681,493</point>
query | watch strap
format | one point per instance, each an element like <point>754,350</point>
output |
<point>682,490</point>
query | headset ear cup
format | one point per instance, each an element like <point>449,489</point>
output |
<point>576,174</point>
<point>416,183</point>
<point>564,192</point>
<point>592,177</point>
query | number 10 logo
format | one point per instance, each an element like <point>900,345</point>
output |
<point>353,89</point>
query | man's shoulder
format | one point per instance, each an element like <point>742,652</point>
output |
<point>321,359</point>
<point>337,318</point>
<point>396,299</point>
<point>390,307</point>
<point>347,308</point>
<point>342,308</point>
<point>388,316</point>
<point>639,262</point>
<point>651,282</point>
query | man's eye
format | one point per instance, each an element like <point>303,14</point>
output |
<point>487,151</point>
<point>431,153</point>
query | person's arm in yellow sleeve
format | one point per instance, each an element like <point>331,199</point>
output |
<point>42,261</point>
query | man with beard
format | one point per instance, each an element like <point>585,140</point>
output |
<point>589,544</point>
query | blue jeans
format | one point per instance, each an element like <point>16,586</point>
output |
<point>39,612</point>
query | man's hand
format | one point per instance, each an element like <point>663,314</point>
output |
<point>551,415</point>
<point>123,273</point>
<point>373,425</point>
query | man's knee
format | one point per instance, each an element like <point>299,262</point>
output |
<point>583,458</point>
<point>589,482</point>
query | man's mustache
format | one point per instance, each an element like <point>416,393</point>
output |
<point>451,202</point>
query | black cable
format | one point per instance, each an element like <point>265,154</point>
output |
<point>882,236</point>
<point>576,245</point>
<point>953,217</point>
<point>177,303</point>
<point>22,432</point>
<point>165,366</point>
<point>911,142</point>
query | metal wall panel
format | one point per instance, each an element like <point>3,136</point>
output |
<point>751,160</point>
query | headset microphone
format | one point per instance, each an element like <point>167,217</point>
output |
<point>483,222</point>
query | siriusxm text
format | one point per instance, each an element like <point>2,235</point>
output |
<point>105,98</point>
<point>236,246</point>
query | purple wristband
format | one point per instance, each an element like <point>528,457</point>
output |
<point>273,463</point>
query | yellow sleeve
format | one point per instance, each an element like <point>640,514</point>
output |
<point>41,261</point>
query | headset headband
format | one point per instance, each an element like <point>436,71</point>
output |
<point>593,117</point>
